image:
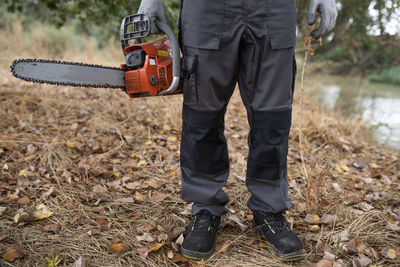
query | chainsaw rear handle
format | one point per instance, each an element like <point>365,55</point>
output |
<point>176,59</point>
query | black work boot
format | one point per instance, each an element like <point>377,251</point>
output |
<point>282,242</point>
<point>200,235</point>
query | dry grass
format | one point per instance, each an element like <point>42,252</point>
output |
<point>106,126</point>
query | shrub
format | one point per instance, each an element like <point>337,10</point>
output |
<point>388,75</point>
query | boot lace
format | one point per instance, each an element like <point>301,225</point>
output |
<point>275,222</point>
<point>204,222</point>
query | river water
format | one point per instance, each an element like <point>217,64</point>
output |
<point>378,104</point>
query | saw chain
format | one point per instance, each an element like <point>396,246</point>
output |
<point>14,72</point>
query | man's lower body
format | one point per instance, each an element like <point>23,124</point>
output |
<point>250,43</point>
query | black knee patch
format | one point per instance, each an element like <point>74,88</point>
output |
<point>269,135</point>
<point>203,146</point>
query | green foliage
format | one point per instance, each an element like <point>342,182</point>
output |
<point>53,261</point>
<point>338,246</point>
<point>337,54</point>
<point>94,15</point>
<point>389,76</point>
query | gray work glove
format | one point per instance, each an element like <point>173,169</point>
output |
<point>155,10</point>
<point>327,9</point>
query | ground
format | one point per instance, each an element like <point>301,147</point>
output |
<point>107,169</point>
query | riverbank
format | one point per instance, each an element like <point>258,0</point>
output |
<point>377,105</point>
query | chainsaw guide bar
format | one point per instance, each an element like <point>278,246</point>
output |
<point>68,73</point>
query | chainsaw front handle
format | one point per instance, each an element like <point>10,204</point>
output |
<point>176,59</point>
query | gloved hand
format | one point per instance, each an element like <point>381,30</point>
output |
<point>327,9</point>
<point>155,10</point>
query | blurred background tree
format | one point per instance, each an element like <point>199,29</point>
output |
<point>361,40</point>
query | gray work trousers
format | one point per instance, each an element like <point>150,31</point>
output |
<point>249,42</point>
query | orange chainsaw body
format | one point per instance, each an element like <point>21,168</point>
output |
<point>156,73</point>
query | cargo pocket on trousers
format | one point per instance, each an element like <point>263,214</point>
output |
<point>294,75</point>
<point>189,75</point>
<point>282,39</point>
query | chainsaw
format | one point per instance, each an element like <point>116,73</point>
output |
<point>151,69</point>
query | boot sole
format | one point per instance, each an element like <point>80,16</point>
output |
<point>195,255</point>
<point>294,256</point>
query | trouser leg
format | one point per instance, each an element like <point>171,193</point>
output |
<point>208,86</point>
<point>266,78</point>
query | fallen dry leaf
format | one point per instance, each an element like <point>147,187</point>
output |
<point>139,197</point>
<point>104,224</point>
<point>166,127</point>
<point>12,253</point>
<point>362,261</point>
<point>329,256</point>
<point>46,194</point>
<point>42,212</point>
<point>224,247</point>
<point>155,247</point>
<point>365,206</point>
<point>118,248</point>
<point>22,172</point>
<point>115,184</point>
<point>373,253</point>
<point>116,240</point>
<point>360,247</point>
<point>172,138</point>
<point>132,186</point>
<point>24,217</point>
<point>312,219</point>
<point>147,237</point>
<point>365,261</point>
<point>79,262</point>
<point>344,236</point>
<point>324,263</point>
<point>99,189</point>
<point>145,228</point>
<point>170,254</point>
<point>338,263</point>
<point>69,144</point>
<point>179,240</point>
<point>158,197</point>
<point>389,253</point>
<point>179,258</point>
<point>23,200</point>
<point>142,162</point>
<point>344,167</point>
<point>162,237</point>
<point>374,166</point>
<point>249,242</point>
<point>350,247</point>
<point>155,184</point>
<point>236,219</point>
<point>314,228</point>
<point>52,228</point>
<point>329,219</point>
<point>143,252</point>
